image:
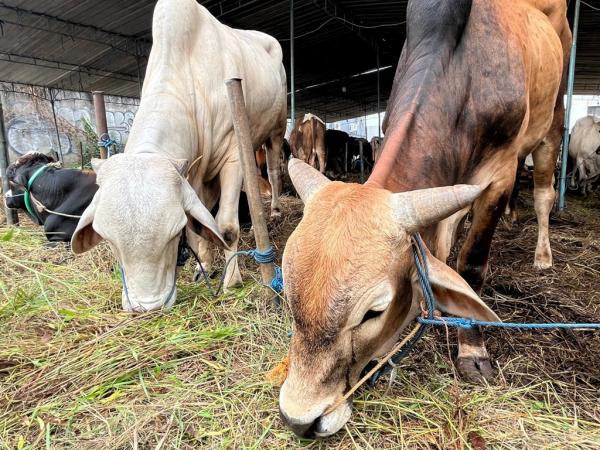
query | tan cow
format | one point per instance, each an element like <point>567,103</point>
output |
<point>478,86</point>
<point>307,141</point>
<point>143,202</point>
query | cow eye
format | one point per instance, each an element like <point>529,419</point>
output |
<point>371,314</point>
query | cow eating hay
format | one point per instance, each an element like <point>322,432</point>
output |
<point>478,87</point>
<point>144,200</point>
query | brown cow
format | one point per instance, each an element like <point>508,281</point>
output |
<point>307,141</point>
<point>478,86</point>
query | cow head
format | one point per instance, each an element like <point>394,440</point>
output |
<point>141,207</point>
<point>352,287</point>
<point>18,175</point>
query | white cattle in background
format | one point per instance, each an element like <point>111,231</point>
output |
<point>184,124</point>
<point>583,147</point>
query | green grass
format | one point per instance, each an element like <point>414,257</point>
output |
<point>76,372</point>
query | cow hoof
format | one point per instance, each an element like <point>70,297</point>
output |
<point>542,265</point>
<point>475,369</point>
<point>198,276</point>
<point>275,214</point>
<point>234,282</point>
<point>542,260</point>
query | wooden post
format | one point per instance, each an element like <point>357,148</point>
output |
<point>362,161</point>
<point>242,132</point>
<point>12,218</point>
<point>101,127</point>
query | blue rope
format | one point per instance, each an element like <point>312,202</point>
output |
<point>461,322</point>
<point>266,257</point>
<point>419,255</point>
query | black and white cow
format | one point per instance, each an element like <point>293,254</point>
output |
<point>63,191</point>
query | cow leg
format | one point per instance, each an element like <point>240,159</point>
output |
<point>473,361</point>
<point>448,232</point>
<point>274,151</point>
<point>230,179</point>
<point>510,213</point>
<point>544,162</point>
<point>313,158</point>
<point>209,195</point>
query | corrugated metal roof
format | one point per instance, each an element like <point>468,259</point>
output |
<point>90,45</point>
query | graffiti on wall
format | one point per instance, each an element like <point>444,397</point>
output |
<point>30,123</point>
<point>34,133</point>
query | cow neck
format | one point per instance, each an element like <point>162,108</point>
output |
<point>421,150</point>
<point>425,137</point>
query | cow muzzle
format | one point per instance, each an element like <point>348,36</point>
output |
<point>133,303</point>
<point>307,419</point>
<point>322,425</point>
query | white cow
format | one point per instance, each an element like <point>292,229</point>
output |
<point>585,141</point>
<point>184,120</point>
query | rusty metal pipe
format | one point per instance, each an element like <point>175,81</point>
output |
<point>101,127</point>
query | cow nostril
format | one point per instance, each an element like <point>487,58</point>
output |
<point>301,429</point>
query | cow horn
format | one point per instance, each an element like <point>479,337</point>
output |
<point>306,179</point>
<point>425,207</point>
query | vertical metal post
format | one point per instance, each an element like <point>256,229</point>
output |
<point>362,161</point>
<point>366,127</point>
<point>292,68</point>
<point>346,159</point>
<point>565,148</point>
<point>378,97</point>
<point>12,218</point>
<point>52,98</point>
<point>246,152</point>
<point>101,127</point>
<point>81,153</point>
<point>139,67</point>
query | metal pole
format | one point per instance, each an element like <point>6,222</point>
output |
<point>565,148</point>
<point>81,153</point>
<point>378,97</point>
<point>56,125</point>
<point>139,68</point>
<point>362,162</point>
<point>292,68</point>
<point>346,159</point>
<point>12,218</point>
<point>101,127</point>
<point>242,132</point>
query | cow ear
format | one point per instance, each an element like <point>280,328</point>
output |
<point>85,237</point>
<point>202,221</point>
<point>97,164</point>
<point>453,294</point>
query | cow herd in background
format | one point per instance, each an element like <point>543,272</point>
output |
<point>443,157</point>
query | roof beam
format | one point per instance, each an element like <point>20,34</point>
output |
<point>58,65</point>
<point>74,30</point>
<point>333,9</point>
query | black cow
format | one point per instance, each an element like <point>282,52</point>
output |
<point>64,191</point>
<point>335,141</point>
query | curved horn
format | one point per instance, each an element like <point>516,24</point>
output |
<point>306,179</point>
<point>425,207</point>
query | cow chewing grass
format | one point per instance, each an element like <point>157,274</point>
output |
<point>76,372</point>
